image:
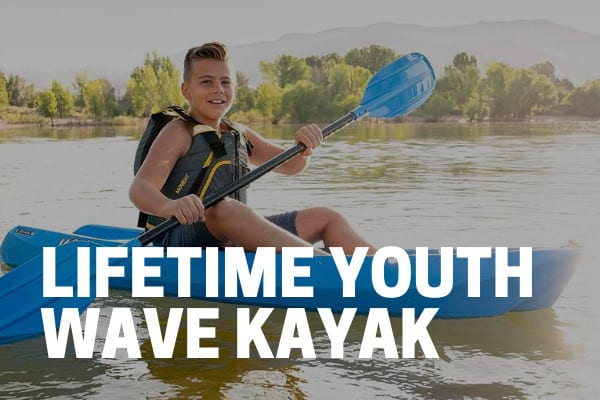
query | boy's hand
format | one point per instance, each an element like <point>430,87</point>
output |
<point>309,135</point>
<point>188,209</point>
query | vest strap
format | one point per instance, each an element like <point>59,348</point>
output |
<point>213,140</point>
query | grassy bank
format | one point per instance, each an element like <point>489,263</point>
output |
<point>27,117</point>
<point>24,116</point>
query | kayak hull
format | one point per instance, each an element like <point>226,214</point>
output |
<point>21,296</point>
<point>551,272</point>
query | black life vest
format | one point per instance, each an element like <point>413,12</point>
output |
<point>211,162</point>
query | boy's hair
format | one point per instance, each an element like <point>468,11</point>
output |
<point>213,50</point>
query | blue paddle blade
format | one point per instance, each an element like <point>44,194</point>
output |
<point>398,88</point>
<point>21,294</point>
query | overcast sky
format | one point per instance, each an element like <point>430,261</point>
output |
<point>57,33</point>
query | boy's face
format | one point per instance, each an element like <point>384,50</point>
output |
<point>210,90</point>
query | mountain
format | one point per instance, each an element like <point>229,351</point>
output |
<point>575,54</point>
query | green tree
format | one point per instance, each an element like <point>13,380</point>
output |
<point>99,98</point>
<point>20,93</point>
<point>305,102</point>
<point>241,79</point>
<point>95,97</point>
<point>547,69</point>
<point>372,58</point>
<point>81,79</point>
<point>476,109</point>
<point>495,88</point>
<point>437,106</point>
<point>3,93</point>
<point>110,98</point>
<point>320,65</point>
<point>564,86</point>
<point>462,62</point>
<point>285,70</point>
<point>142,90</point>
<point>346,86</point>
<point>46,104</point>
<point>154,85</point>
<point>530,92</point>
<point>64,99</point>
<point>462,80</point>
<point>245,98</point>
<point>443,88</point>
<point>268,101</point>
<point>585,100</point>
<point>316,61</point>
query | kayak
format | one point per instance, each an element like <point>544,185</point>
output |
<point>551,271</point>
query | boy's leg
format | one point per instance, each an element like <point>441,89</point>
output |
<point>233,222</point>
<point>322,223</point>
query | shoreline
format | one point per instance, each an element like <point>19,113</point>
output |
<point>131,121</point>
<point>73,122</point>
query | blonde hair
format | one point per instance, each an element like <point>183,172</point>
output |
<point>213,51</point>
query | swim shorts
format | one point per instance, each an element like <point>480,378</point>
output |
<point>198,234</point>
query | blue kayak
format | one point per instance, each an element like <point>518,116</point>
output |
<point>551,271</point>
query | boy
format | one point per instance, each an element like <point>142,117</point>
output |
<point>209,88</point>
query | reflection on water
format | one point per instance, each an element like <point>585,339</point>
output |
<point>407,185</point>
<point>68,132</point>
<point>512,345</point>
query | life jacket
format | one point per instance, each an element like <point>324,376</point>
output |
<point>211,162</point>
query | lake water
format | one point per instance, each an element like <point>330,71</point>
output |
<point>515,184</point>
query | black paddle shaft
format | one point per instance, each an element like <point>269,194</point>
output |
<point>212,199</point>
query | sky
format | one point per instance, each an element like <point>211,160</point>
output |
<point>83,33</point>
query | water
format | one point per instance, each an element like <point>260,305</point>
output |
<point>410,185</point>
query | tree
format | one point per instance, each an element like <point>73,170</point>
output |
<point>530,91</point>
<point>20,93</point>
<point>462,61</point>
<point>95,97</point>
<point>585,100</point>
<point>47,105</point>
<point>517,92</point>
<point>305,102</point>
<point>142,89</point>
<point>546,68</point>
<point>64,99</point>
<point>268,101</point>
<point>245,97</point>
<point>495,87</point>
<point>3,93</point>
<point>564,86</point>
<point>99,98</point>
<point>154,85</point>
<point>372,58</point>
<point>476,109</point>
<point>437,106</point>
<point>285,70</point>
<point>346,84</point>
<point>241,79</point>
<point>93,100</point>
<point>320,65</point>
<point>81,79</point>
<point>462,80</point>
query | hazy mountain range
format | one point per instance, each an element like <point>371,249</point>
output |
<point>575,54</point>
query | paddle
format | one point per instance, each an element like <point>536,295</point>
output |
<point>395,90</point>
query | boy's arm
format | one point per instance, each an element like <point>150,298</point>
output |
<point>171,143</point>
<point>264,150</point>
